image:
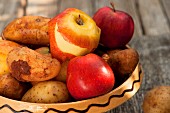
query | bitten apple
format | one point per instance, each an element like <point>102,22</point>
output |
<point>72,33</point>
<point>89,76</point>
<point>117,27</point>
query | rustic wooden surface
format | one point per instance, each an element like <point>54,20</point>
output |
<point>151,37</point>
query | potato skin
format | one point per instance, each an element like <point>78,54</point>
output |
<point>28,30</point>
<point>5,48</point>
<point>47,92</point>
<point>11,88</point>
<point>63,72</point>
<point>123,62</point>
<point>28,65</point>
<point>157,100</point>
<point>44,51</point>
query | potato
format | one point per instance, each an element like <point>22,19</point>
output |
<point>11,88</point>
<point>44,51</point>
<point>47,92</point>
<point>28,30</point>
<point>157,100</point>
<point>5,48</point>
<point>28,65</point>
<point>123,62</point>
<point>63,72</point>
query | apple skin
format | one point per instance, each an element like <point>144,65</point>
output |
<point>117,27</point>
<point>89,76</point>
<point>72,33</point>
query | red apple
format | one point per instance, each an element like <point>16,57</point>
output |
<point>117,27</point>
<point>72,33</point>
<point>89,76</point>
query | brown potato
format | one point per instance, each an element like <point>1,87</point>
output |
<point>5,48</point>
<point>47,92</point>
<point>28,30</point>
<point>11,88</point>
<point>157,100</point>
<point>28,65</point>
<point>123,62</point>
<point>63,72</point>
<point>44,51</point>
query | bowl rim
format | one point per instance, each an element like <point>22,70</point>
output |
<point>92,102</point>
<point>117,88</point>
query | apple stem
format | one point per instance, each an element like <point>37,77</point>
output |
<point>105,57</point>
<point>113,7</point>
<point>79,20</point>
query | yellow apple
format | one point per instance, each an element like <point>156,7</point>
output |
<point>72,33</point>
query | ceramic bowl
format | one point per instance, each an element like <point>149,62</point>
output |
<point>94,105</point>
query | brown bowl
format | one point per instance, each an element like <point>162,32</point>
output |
<point>101,103</point>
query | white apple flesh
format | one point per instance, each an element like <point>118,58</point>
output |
<point>72,33</point>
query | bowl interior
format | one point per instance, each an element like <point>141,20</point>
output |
<point>101,103</point>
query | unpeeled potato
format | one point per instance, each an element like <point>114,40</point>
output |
<point>157,100</point>
<point>123,62</point>
<point>28,65</point>
<point>5,48</point>
<point>11,88</point>
<point>63,72</point>
<point>44,51</point>
<point>47,92</point>
<point>28,30</point>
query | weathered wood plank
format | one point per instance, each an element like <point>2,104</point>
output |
<point>84,5</point>
<point>46,8</point>
<point>128,6</point>
<point>8,12</point>
<point>166,5</point>
<point>153,18</point>
<point>154,55</point>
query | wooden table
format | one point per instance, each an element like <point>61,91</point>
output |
<point>151,37</point>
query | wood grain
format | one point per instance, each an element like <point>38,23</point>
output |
<point>166,6</point>
<point>154,54</point>
<point>84,5</point>
<point>8,12</point>
<point>46,8</point>
<point>153,18</point>
<point>151,38</point>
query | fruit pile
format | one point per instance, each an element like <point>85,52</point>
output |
<point>67,58</point>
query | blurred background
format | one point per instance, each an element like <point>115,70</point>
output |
<point>152,17</point>
<point>151,37</point>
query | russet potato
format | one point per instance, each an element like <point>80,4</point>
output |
<point>28,30</point>
<point>28,65</point>
<point>5,48</point>
<point>157,100</point>
<point>12,88</point>
<point>122,61</point>
<point>44,51</point>
<point>63,72</point>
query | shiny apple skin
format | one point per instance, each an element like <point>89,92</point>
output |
<point>117,27</point>
<point>89,76</point>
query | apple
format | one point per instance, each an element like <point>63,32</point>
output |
<point>89,76</point>
<point>117,27</point>
<point>72,33</point>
